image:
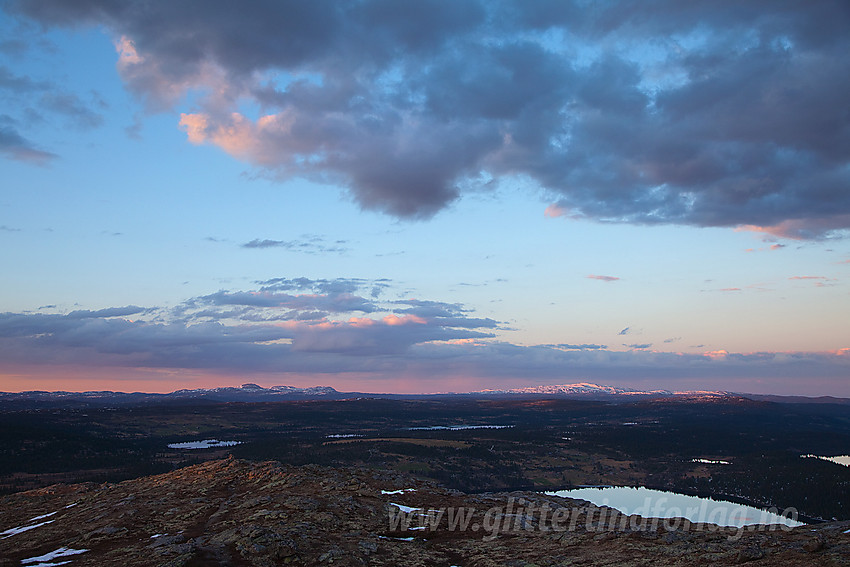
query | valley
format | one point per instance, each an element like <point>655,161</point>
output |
<point>732,447</point>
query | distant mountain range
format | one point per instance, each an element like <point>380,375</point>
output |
<point>251,390</point>
<point>244,393</point>
<point>256,393</point>
<point>581,389</point>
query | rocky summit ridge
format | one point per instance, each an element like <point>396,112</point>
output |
<point>238,513</point>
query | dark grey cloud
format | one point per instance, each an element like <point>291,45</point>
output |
<point>704,113</point>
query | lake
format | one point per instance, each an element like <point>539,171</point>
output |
<point>205,444</point>
<point>650,503</point>
<point>838,460</point>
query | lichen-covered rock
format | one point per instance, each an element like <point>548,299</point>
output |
<point>233,512</point>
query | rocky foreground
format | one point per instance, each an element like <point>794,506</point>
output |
<point>233,512</point>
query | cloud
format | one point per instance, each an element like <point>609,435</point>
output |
<point>819,281</point>
<point>771,248</point>
<point>335,303</point>
<point>30,98</point>
<point>754,372</point>
<point>71,106</point>
<point>280,335</point>
<point>364,337</point>
<point>19,148</point>
<point>248,330</point>
<point>564,346</point>
<point>734,116</point>
<point>428,308</point>
<point>309,245</point>
<point>334,286</point>
<point>809,228</point>
<point>555,211</point>
<point>602,278</point>
<point>624,331</point>
<point>106,313</point>
<point>9,81</point>
<point>257,243</point>
<point>13,47</point>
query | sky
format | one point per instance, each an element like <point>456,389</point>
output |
<point>428,196</point>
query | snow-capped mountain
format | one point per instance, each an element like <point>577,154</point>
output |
<point>589,390</point>
<point>582,388</point>
<point>254,390</point>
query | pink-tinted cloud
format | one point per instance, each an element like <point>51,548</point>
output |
<point>554,211</point>
<point>819,281</point>
<point>805,228</point>
<point>772,247</point>
<point>602,278</point>
<point>395,320</point>
<point>243,138</point>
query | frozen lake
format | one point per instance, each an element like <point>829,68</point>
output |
<point>650,503</point>
<point>457,427</point>
<point>838,460</point>
<point>205,444</point>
